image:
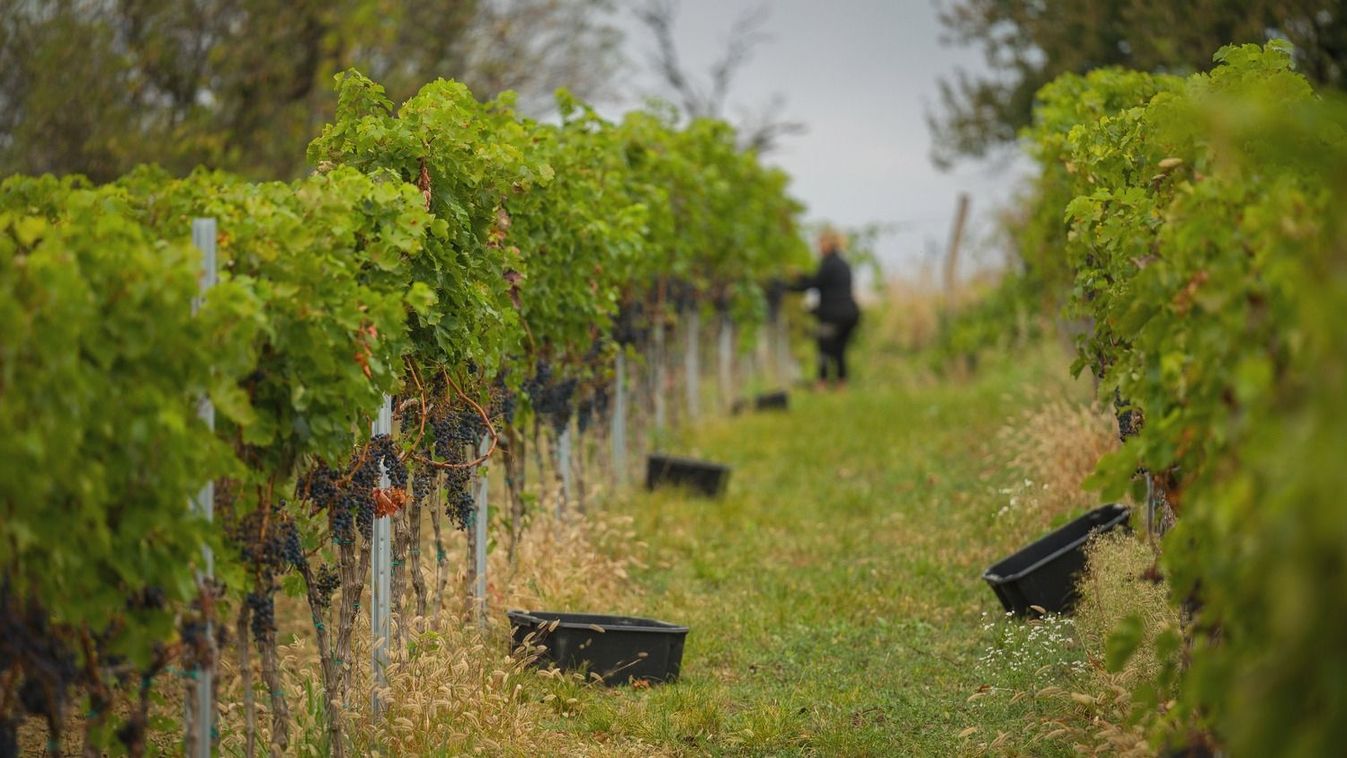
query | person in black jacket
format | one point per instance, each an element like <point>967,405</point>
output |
<point>837,312</point>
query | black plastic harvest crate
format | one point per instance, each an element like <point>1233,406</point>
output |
<point>618,648</point>
<point>766,401</point>
<point>1043,574</point>
<point>709,479</point>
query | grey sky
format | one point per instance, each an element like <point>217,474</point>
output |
<point>860,74</point>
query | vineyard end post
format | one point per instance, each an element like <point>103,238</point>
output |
<point>381,569</point>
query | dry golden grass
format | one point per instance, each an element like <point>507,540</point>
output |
<point>910,317</point>
<point>1053,447</point>
<point>457,689</point>
<point>1115,587</point>
<point>1097,717</point>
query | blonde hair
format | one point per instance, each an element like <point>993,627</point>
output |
<point>831,239</point>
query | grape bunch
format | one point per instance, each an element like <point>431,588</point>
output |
<point>47,663</point>
<point>423,480</point>
<point>318,486</point>
<point>273,549</point>
<point>504,403</point>
<point>341,518</point>
<point>263,608</point>
<point>624,325</point>
<point>458,488</point>
<point>291,550</point>
<point>455,429</point>
<point>593,406</point>
<point>149,598</point>
<point>551,397</point>
<point>363,477</point>
<point>326,582</point>
<point>382,448</point>
<point>364,517</point>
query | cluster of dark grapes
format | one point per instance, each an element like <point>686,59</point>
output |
<point>381,447</point>
<point>322,487</point>
<point>681,295</point>
<point>48,664</point>
<point>362,478</point>
<point>593,405</point>
<point>340,519</point>
<point>1129,418</point>
<point>326,582</point>
<point>275,551</point>
<point>319,486</point>
<point>458,489</point>
<point>291,551</point>
<point>504,404</point>
<point>552,397</point>
<point>146,599</point>
<point>423,481</point>
<point>195,634</point>
<point>455,429</point>
<point>263,608</point>
<point>625,330</point>
<point>775,292</point>
<point>364,518</point>
<point>457,432</point>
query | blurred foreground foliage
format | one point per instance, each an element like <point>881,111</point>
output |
<point>1193,228</point>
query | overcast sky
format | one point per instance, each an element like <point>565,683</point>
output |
<point>861,74</point>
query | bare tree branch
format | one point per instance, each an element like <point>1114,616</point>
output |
<point>760,131</point>
<point>745,35</point>
<point>658,16</point>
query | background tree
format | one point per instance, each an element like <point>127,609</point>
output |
<point>1028,43</point>
<point>97,86</point>
<point>759,130</point>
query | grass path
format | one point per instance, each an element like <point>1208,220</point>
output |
<point>834,594</point>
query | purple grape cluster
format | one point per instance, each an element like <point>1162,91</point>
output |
<point>552,397</point>
<point>326,583</point>
<point>318,486</point>
<point>263,608</point>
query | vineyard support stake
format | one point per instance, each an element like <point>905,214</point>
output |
<point>564,460</point>
<point>657,362</point>
<point>725,350</point>
<point>691,360</point>
<point>479,522</point>
<point>381,572</point>
<point>619,436</point>
<point>200,706</point>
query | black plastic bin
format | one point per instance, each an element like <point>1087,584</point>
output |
<point>1044,573</point>
<point>618,648</point>
<point>766,401</point>
<point>709,479</point>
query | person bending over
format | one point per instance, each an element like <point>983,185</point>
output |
<point>836,311</point>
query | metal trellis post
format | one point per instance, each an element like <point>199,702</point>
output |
<point>200,706</point>
<point>726,362</point>
<point>381,573</point>
<point>657,362</point>
<point>567,476</point>
<point>691,363</point>
<point>619,432</point>
<point>479,523</point>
